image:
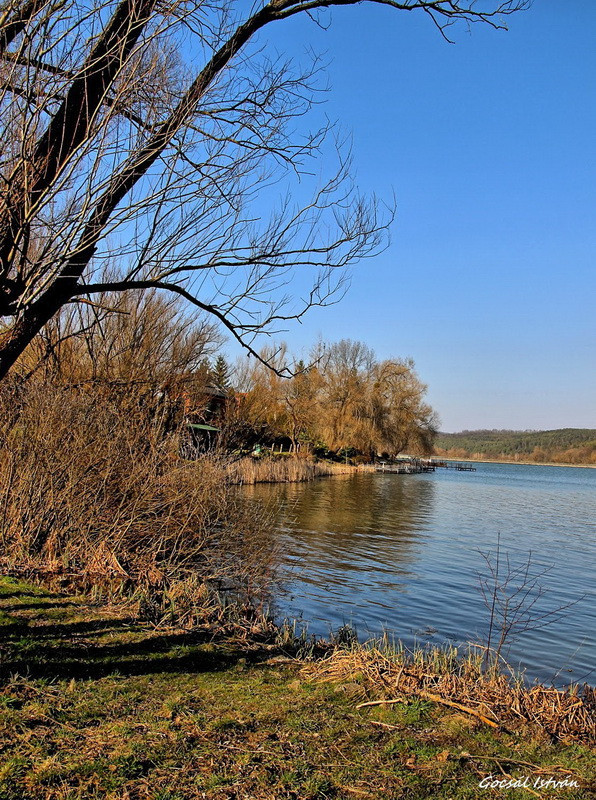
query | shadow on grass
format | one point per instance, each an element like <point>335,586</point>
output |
<point>78,650</point>
<point>65,630</point>
<point>35,593</point>
<point>42,604</point>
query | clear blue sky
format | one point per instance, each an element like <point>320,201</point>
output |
<point>490,147</point>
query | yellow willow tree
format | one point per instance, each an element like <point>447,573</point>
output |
<point>346,368</point>
<point>369,405</point>
<point>142,133</point>
<point>281,407</point>
<point>257,413</point>
<point>398,414</point>
<point>346,399</point>
<point>302,397</point>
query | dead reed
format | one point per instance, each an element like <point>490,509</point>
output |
<point>249,470</point>
<point>499,700</point>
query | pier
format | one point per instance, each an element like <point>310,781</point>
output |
<point>459,465</point>
<point>405,468</point>
<point>416,466</point>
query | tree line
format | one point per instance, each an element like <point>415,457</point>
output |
<point>344,401</point>
<point>565,445</point>
<point>341,399</point>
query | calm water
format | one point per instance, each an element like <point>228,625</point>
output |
<point>402,553</point>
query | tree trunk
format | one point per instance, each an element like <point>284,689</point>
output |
<point>15,340</point>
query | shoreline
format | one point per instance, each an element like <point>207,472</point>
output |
<point>248,471</point>
<point>516,463</point>
<point>128,709</point>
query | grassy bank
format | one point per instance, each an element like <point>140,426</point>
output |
<point>96,705</point>
<point>286,470</point>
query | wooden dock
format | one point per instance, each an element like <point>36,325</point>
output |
<point>416,466</point>
<point>403,469</point>
<point>413,466</point>
<point>459,465</point>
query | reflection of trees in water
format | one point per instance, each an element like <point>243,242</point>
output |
<point>355,524</point>
<point>397,553</point>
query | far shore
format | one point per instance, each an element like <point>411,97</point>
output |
<point>514,463</point>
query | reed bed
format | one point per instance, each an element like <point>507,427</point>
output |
<point>499,700</point>
<point>248,471</point>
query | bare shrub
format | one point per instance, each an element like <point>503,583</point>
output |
<point>138,338</point>
<point>92,491</point>
<point>514,596</point>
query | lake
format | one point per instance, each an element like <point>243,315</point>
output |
<point>403,554</point>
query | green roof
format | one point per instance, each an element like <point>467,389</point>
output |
<point>198,427</point>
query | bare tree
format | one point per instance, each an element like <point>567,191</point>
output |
<point>143,133</point>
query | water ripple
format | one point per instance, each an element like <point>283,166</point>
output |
<point>402,553</point>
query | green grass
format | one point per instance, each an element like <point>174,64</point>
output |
<point>95,705</point>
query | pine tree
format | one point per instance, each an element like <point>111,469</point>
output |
<point>221,374</point>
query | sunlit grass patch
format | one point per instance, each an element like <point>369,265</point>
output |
<point>189,719</point>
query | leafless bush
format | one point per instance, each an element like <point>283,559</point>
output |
<point>137,338</point>
<point>94,493</point>
<point>514,595</point>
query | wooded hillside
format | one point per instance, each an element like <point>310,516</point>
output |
<point>566,445</point>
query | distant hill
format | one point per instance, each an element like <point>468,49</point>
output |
<point>566,445</point>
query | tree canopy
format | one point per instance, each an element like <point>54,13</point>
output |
<point>347,400</point>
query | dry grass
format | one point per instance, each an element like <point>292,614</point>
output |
<point>96,705</point>
<point>499,700</point>
<point>249,470</point>
<point>92,492</point>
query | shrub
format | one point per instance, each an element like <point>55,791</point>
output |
<point>93,492</point>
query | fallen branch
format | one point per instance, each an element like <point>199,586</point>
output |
<point>380,702</point>
<point>438,699</point>
<point>435,698</point>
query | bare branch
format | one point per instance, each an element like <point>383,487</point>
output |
<point>123,144</point>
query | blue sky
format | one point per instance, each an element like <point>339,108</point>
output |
<point>489,146</point>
